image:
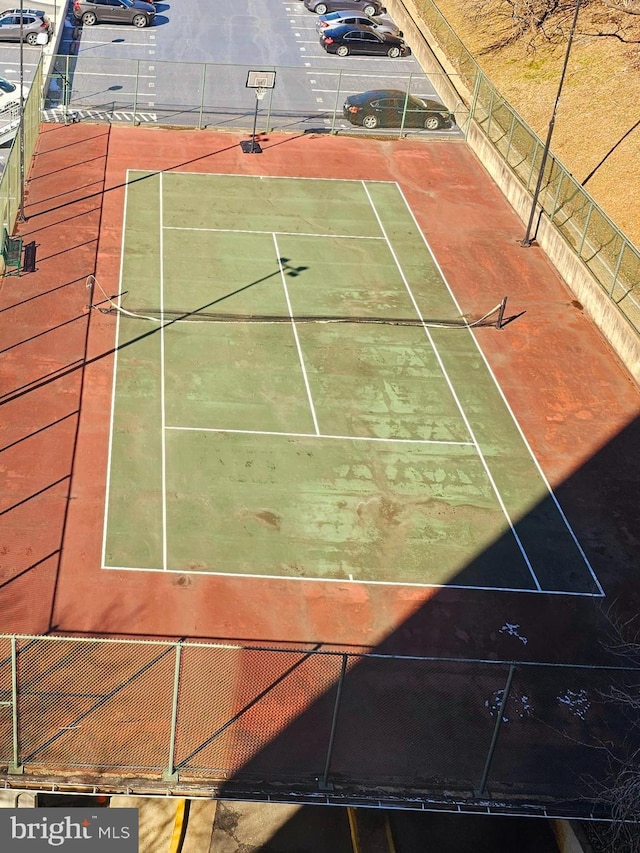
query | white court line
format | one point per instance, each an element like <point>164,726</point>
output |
<point>455,397</point>
<point>295,335</point>
<point>552,494</point>
<point>162,390</point>
<point>320,435</point>
<point>270,233</point>
<point>471,587</point>
<point>389,583</point>
<point>244,175</point>
<point>114,379</point>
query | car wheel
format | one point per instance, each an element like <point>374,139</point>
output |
<point>393,52</point>
<point>370,122</point>
<point>89,18</point>
<point>432,123</point>
<point>320,9</point>
<point>140,21</point>
<point>32,38</point>
<point>342,50</point>
<point>370,11</point>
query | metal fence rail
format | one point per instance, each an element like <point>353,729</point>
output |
<point>309,720</point>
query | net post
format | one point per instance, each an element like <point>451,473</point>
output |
<point>90,284</point>
<point>501,310</point>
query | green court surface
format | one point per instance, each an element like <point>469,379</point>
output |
<point>300,448</point>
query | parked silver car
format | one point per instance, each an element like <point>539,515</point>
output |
<point>336,19</point>
<point>35,27</point>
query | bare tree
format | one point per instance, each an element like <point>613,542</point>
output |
<point>621,791</point>
<point>538,22</point>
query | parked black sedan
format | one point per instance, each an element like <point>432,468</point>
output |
<point>368,7</point>
<point>363,40</point>
<point>394,108</point>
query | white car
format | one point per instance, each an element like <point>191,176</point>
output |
<point>10,94</point>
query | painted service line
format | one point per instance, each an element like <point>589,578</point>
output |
<point>328,436</point>
<point>278,233</point>
<point>283,278</point>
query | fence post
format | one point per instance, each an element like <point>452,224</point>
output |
<point>135,94</point>
<point>496,731</point>
<point>584,231</point>
<point>617,271</point>
<point>554,209</point>
<point>474,102</point>
<point>170,774</point>
<point>204,86</point>
<point>405,105</point>
<point>15,767</point>
<point>490,116</point>
<point>268,125</point>
<point>335,106</point>
<point>324,783</point>
<point>510,138</point>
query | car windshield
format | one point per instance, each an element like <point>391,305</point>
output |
<point>6,86</point>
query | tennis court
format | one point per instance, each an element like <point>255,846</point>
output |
<point>297,394</point>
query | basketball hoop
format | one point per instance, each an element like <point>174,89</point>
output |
<point>259,81</point>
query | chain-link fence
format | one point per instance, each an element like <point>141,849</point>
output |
<point>310,720</point>
<point>16,169</point>
<point>208,95</point>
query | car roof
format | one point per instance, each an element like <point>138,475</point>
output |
<point>349,28</point>
<point>379,93</point>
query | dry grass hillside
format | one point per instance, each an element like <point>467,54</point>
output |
<point>600,102</point>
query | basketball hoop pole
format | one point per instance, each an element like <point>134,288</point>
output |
<point>260,82</point>
<point>255,149</point>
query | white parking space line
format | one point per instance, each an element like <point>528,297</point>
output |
<point>106,74</point>
<point>346,74</point>
<point>99,40</point>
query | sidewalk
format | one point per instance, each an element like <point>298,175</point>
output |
<point>157,823</point>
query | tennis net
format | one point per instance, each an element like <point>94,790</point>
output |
<point>165,316</point>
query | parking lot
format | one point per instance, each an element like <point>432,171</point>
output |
<point>182,72</point>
